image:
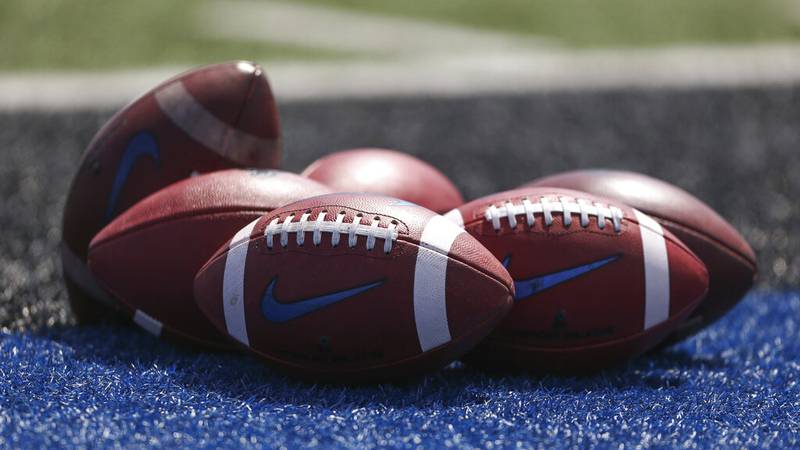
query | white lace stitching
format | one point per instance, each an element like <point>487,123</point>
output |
<point>567,206</point>
<point>320,225</point>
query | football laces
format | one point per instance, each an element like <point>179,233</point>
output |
<point>567,206</point>
<point>361,226</point>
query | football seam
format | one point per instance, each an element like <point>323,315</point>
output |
<point>230,130</point>
<point>167,331</point>
<point>173,218</point>
<point>287,365</point>
<point>473,267</point>
<point>478,220</point>
<point>685,312</point>
<point>405,239</point>
<point>248,94</point>
<point>708,238</point>
<point>219,255</point>
<point>404,231</point>
<point>667,237</point>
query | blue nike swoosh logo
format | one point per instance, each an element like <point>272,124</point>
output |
<point>142,144</point>
<point>532,286</point>
<point>275,311</point>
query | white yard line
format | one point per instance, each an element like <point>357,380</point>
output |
<point>464,75</point>
<point>78,90</point>
<point>415,58</point>
<point>348,31</point>
<point>543,70</point>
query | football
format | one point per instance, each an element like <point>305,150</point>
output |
<point>596,281</point>
<point>148,256</point>
<point>212,118</point>
<point>354,287</point>
<point>730,261</point>
<point>386,172</point>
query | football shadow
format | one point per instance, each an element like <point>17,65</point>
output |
<point>240,377</point>
<point>669,368</point>
<point>129,352</point>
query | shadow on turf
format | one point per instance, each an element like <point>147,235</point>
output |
<point>664,369</point>
<point>120,347</point>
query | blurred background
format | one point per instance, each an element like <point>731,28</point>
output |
<point>104,35</point>
<point>94,52</point>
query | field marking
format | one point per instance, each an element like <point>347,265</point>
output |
<point>342,30</point>
<point>78,90</point>
<point>415,57</point>
<point>488,74</point>
<point>542,70</point>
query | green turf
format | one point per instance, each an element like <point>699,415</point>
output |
<point>99,34</point>
<point>96,34</point>
<point>598,23</point>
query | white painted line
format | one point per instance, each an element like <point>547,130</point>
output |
<point>343,30</point>
<point>536,71</point>
<point>459,76</point>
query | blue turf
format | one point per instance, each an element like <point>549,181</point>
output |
<point>734,385</point>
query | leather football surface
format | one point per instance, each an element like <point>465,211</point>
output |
<point>211,118</point>
<point>148,256</point>
<point>354,287</point>
<point>596,281</point>
<point>387,172</point>
<point>730,260</point>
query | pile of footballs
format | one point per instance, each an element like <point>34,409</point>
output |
<point>370,265</point>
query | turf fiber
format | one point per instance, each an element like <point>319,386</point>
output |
<point>734,385</point>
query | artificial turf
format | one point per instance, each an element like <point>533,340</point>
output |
<point>115,386</point>
<point>734,385</point>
